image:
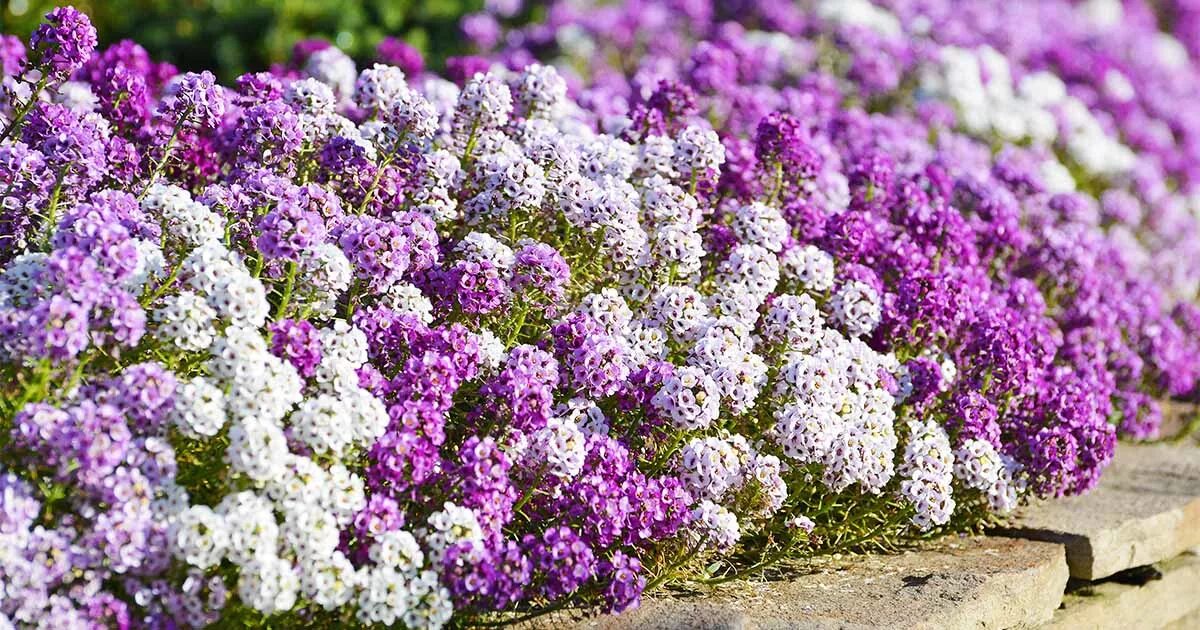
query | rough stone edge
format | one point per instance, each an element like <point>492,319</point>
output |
<point>1136,541</point>
<point>1079,555</point>
<point>1023,600</point>
<point>1174,599</point>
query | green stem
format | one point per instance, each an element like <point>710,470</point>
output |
<point>778,185</point>
<point>387,160</point>
<point>162,288</point>
<point>25,109</point>
<point>351,301</point>
<point>517,326</point>
<point>52,212</point>
<point>661,460</point>
<point>472,139</point>
<point>162,163</point>
<point>761,564</point>
<point>287,290</point>
<point>256,270</point>
<point>525,498</point>
<point>669,572</point>
<point>512,227</point>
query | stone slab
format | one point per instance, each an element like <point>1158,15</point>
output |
<point>1173,600</point>
<point>1188,622</point>
<point>975,582</point>
<point>1145,510</point>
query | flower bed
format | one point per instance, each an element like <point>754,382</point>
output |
<point>330,346</point>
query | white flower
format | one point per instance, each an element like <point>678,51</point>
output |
<point>397,550</point>
<point>710,467</point>
<point>559,448</point>
<point>251,525</point>
<point>809,266</point>
<point>198,409</point>
<point>385,596</point>
<point>184,221</point>
<point>150,265</point>
<point>540,91</point>
<point>608,308</point>
<point>321,423</point>
<point>310,531</point>
<point>977,464</point>
<point>929,465</point>
<point>405,299</point>
<point>856,307</point>
<point>447,527</point>
<point>208,266</point>
<point>379,87</point>
<point>480,246</point>
<point>346,494</point>
<point>199,536</point>
<point>429,604</point>
<point>689,399</point>
<point>334,68</point>
<point>268,584</point>
<point>331,581</point>
<point>698,150</point>
<point>311,97</point>
<point>680,311</point>
<point>806,433</point>
<point>257,449</point>
<point>186,320</point>
<point>484,103</point>
<point>760,224</point>
<point>714,525</point>
<point>241,300</point>
<point>327,272</point>
<point>492,349</point>
<point>367,415</point>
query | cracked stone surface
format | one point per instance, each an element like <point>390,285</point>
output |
<point>1145,510</point>
<point>976,582</point>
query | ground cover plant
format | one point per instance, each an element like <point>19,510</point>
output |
<point>637,295</point>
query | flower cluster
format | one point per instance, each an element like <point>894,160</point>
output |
<point>332,344</point>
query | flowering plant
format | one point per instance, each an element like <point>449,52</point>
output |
<point>332,346</point>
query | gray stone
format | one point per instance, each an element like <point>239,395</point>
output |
<point>1145,510</point>
<point>973,582</point>
<point>1173,601</point>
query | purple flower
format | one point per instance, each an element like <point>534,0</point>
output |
<point>288,230</point>
<point>194,99</point>
<point>493,577</point>
<point>562,560</point>
<point>27,189</point>
<point>781,139</point>
<point>398,53</point>
<point>144,392</point>
<point>624,582</point>
<point>298,343</point>
<point>523,391</point>
<point>461,69</point>
<point>542,268</point>
<point>12,55</point>
<point>379,250</point>
<point>73,145</point>
<point>62,44</point>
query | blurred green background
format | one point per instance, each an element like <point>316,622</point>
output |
<point>230,37</point>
